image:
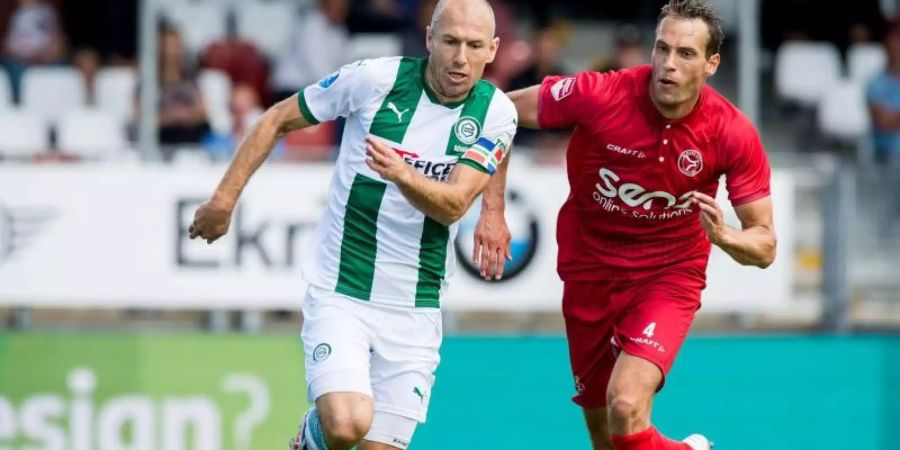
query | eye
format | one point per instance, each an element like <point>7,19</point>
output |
<point>687,54</point>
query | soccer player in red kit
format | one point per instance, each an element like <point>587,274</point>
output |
<point>647,151</point>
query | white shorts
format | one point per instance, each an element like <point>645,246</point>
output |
<point>388,353</point>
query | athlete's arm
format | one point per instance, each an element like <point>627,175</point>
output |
<point>754,244</point>
<point>443,202</point>
<point>883,118</point>
<point>492,236</point>
<point>212,219</point>
<point>526,101</point>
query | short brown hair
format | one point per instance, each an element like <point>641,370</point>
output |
<point>697,9</point>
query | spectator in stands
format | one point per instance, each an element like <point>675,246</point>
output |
<point>87,61</point>
<point>414,35</point>
<point>377,16</point>
<point>317,48</point>
<point>182,114</point>
<point>548,45</point>
<point>629,51</point>
<point>239,58</point>
<point>245,108</point>
<point>33,37</point>
<point>883,96</point>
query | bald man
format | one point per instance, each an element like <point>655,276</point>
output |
<point>422,140</point>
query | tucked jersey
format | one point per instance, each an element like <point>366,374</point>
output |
<point>631,172</point>
<point>372,244</point>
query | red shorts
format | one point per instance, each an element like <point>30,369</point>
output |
<point>647,317</point>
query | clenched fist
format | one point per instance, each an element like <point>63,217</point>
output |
<point>211,221</point>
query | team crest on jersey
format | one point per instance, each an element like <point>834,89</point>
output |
<point>563,88</point>
<point>690,162</point>
<point>467,130</point>
<point>322,352</point>
<point>329,80</point>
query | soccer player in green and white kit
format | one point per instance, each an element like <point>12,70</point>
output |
<point>422,139</point>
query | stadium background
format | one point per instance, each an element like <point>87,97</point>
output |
<point>118,333</point>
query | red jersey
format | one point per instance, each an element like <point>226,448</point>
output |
<point>631,172</point>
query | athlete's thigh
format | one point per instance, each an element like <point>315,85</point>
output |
<point>661,312</point>
<point>336,345</point>
<point>597,421</point>
<point>590,310</point>
<point>405,355</point>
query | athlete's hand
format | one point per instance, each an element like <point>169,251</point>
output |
<point>712,218</point>
<point>492,244</point>
<point>383,159</point>
<point>211,221</point>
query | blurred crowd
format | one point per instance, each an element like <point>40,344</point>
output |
<point>218,72</point>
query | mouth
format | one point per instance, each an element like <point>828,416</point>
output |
<point>667,83</point>
<point>457,77</point>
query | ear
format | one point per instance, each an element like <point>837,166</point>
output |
<point>492,49</point>
<point>712,64</point>
<point>429,38</point>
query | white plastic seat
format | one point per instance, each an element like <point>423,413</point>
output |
<point>115,91</point>
<point>51,92</point>
<point>267,25</point>
<point>91,134</point>
<point>804,71</point>
<point>22,134</point>
<point>215,86</point>
<point>6,100</point>
<point>865,61</point>
<point>363,46</point>
<point>843,113</point>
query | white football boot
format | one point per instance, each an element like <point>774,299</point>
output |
<point>698,442</point>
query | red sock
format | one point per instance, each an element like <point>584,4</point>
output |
<point>649,439</point>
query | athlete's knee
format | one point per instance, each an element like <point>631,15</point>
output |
<point>628,402</point>
<point>345,429</point>
<point>624,407</point>
<point>345,425</point>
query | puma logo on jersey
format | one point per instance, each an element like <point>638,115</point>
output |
<point>391,106</point>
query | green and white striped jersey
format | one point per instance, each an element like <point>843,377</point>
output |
<point>372,244</point>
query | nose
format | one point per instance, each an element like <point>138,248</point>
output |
<point>459,56</point>
<point>669,64</point>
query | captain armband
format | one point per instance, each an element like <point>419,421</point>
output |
<point>486,155</point>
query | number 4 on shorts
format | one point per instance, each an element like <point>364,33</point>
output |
<point>649,330</point>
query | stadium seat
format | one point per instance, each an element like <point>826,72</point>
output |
<point>115,91</point>
<point>843,113</point>
<point>199,22</point>
<point>22,134</point>
<point>216,89</point>
<point>52,91</point>
<point>365,45</point>
<point>91,133</point>
<point>267,25</point>
<point>6,101</point>
<point>865,61</point>
<point>804,71</point>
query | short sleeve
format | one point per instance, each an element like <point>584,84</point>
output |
<point>747,171</point>
<point>495,142</point>
<point>339,94</point>
<point>569,101</point>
